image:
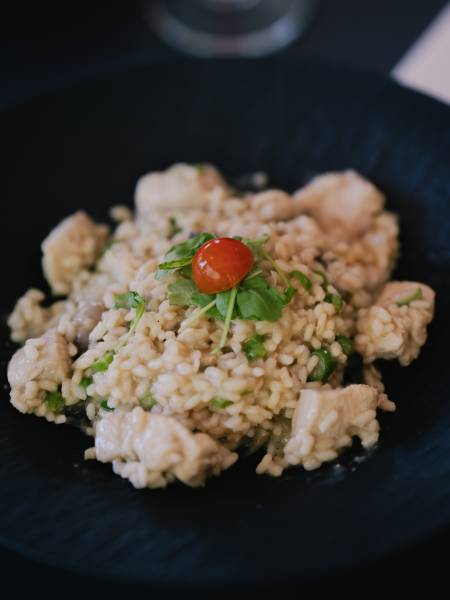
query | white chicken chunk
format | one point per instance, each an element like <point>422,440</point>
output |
<point>325,420</point>
<point>180,187</point>
<point>344,204</point>
<point>272,205</point>
<point>72,246</point>
<point>40,366</point>
<point>153,450</point>
<point>396,325</point>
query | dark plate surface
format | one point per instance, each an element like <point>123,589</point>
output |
<point>84,146</point>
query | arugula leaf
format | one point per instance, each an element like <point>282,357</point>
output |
<point>257,300</point>
<point>254,347</point>
<point>336,301</point>
<point>128,300</point>
<point>222,302</point>
<point>180,292</point>
<point>102,364</point>
<point>303,279</point>
<point>175,264</point>
<point>220,403</point>
<point>181,254</point>
<point>255,245</point>
<point>55,401</point>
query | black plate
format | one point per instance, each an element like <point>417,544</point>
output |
<point>85,146</point>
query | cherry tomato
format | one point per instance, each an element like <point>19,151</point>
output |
<point>220,264</point>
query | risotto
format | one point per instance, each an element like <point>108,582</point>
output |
<point>213,321</point>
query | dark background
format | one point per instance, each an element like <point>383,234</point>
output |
<point>42,48</point>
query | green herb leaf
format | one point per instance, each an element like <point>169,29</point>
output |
<point>147,402</point>
<point>255,245</point>
<point>220,403</point>
<point>257,300</point>
<point>325,282</point>
<point>324,367</point>
<point>346,344</point>
<point>104,405</point>
<point>336,301</point>
<point>288,295</point>
<point>180,292</point>
<point>303,279</point>
<point>86,382</point>
<point>254,347</point>
<point>222,302</point>
<point>417,295</point>
<point>174,228</point>
<point>181,254</point>
<point>171,265</point>
<point>139,312</point>
<point>102,364</point>
<point>54,401</point>
<point>128,300</point>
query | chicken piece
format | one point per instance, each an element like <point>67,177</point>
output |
<point>180,187</point>
<point>325,420</point>
<point>89,306</point>
<point>344,204</point>
<point>396,325</point>
<point>72,246</point>
<point>272,205</point>
<point>40,366</point>
<point>29,319</point>
<point>153,450</point>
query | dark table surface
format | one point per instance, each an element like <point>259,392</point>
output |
<point>42,49</point>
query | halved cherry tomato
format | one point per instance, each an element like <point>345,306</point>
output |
<point>220,264</point>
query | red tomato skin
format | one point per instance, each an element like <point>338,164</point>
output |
<point>220,264</point>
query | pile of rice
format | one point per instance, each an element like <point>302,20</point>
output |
<point>336,225</point>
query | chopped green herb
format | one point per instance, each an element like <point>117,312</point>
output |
<point>336,301</point>
<point>303,279</point>
<point>55,401</point>
<point>346,344</point>
<point>86,382</point>
<point>417,295</point>
<point>220,403</point>
<point>171,265</point>
<point>147,402</point>
<point>254,347</point>
<point>174,228</point>
<point>138,316</point>
<point>222,303</point>
<point>181,254</point>
<point>288,295</point>
<point>180,292</point>
<point>102,364</point>
<point>200,166</point>
<point>128,300</point>
<point>104,406</point>
<point>325,281</point>
<point>324,367</point>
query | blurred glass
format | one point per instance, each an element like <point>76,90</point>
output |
<point>229,27</point>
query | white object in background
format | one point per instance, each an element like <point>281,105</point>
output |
<point>426,67</point>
